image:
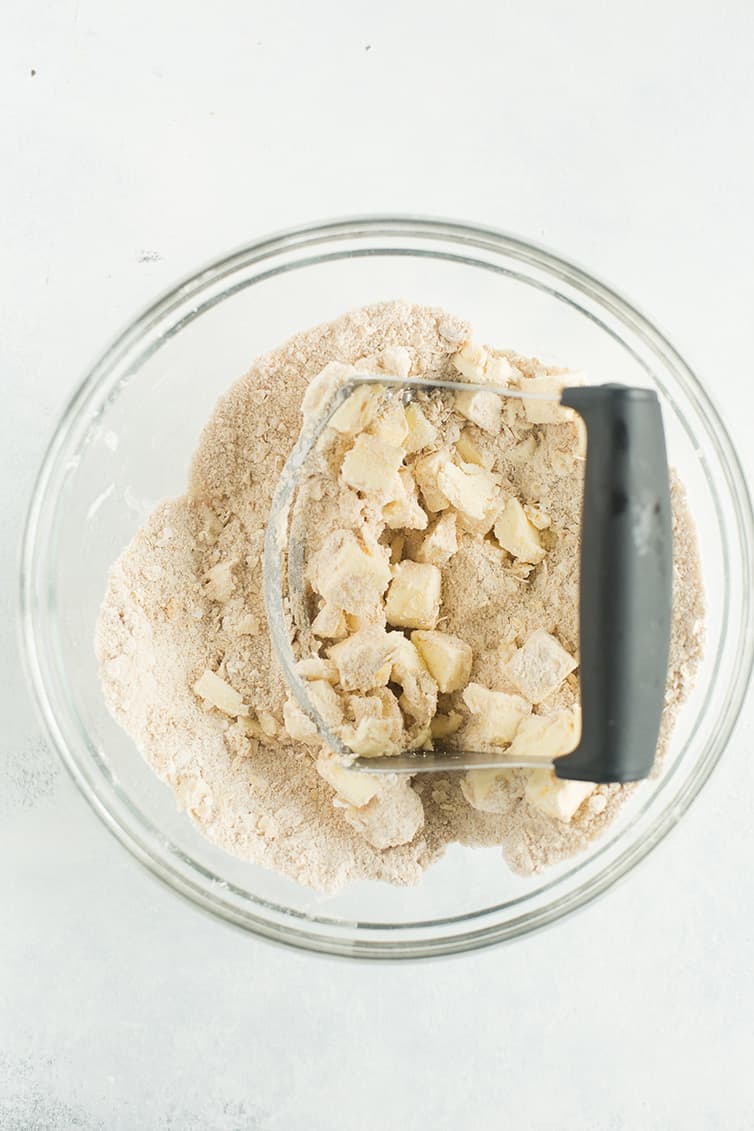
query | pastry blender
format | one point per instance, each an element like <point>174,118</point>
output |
<point>625,585</point>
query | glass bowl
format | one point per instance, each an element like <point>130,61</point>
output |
<point>125,442</point>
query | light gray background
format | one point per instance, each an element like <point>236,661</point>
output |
<point>154,136</point>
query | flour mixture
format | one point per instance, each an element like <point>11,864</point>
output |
<point>443,547</point>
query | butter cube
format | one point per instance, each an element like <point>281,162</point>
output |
<point>298,725</point>
<point>419,698</point>
<point>539,667</point>
<point>482,789</point>
<point>537,517</point>
<point>392,817</point>
<point>545,411</point>
<point>518,535</point>
<point>218,581</point>
<point>371,464</point>
<point>413,599</point>
<point>483,409</point>
<point>330,623</point>
<point>396,360</point>
<point>380,704</point>
<point>404,510</point>
<point>367,365</point>
<point>391,425</point>
<point>353,786</point>
<point>470,451</point>
<point>268,723</point>
<point>448,658</point>
<point>554,797</point>
<point>546,736</point>
<point>314,667</point>
<point>350,572</point>
<point>497,715</point>
<point>426,472</point>
<point>326,700</point>
<point>441,542</point>
<point>322,388</point>
<point>470,361</point>
<point>216,692</point>
<point>369,616</point>
<point>499,371</point>
<point>420,432</point>
<point>473,492</point>
<point>371,738</point>
<point>363,660</point>
<point>357,412</point>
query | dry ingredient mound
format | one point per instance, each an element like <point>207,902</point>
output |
<point>183,625</point>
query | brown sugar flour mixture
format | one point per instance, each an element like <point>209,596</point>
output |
<point>442,550</point>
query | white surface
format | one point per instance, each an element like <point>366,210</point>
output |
<point>154,136</point>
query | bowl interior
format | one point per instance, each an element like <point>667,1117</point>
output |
<point>127,442</point>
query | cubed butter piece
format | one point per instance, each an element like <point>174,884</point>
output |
<point>496,714</point>
<point>426,473</point>
<point>470,361</point>
<point>380,704</point>
<point>298,725</point>
<point>322,388</point>
<point>483,409</point>
<point>396,360</point>
<point>537,516</point>
<point>448,658</point>
<point>413,599</point>
<point>371,464</point>
<point>420,432</point>
<point>314,667</point>
<point>369,616</point>
<point>390,425</point>
<point>473,492</point>
<point>555,797</point>
<point>323,696</point>
<point>392,817</point>
<point>546,736</point>
<point>325,699</point>
<point>419,698</point>
<point>499,371</point>
<point>471,451</point>
<point>353,786</point>
<point>363,660</point>
<point>371,738</point>
<point>268,723</point>
<point>216,692</point>
<point>218,581</point>
<point>330,623</point>
<point>403,511</point>
<point>356,413</point>
<point>539,667</point>
<point>518,535</point>
<point>350,571</point>
<point>547,411</point>
<point>441,542</point>
<point>483,789</point>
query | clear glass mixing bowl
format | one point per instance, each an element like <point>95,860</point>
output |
<point>125,442</point>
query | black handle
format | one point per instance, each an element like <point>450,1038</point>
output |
<point>626,584</point>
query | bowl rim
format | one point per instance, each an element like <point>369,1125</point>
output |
<point>313,234</point>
